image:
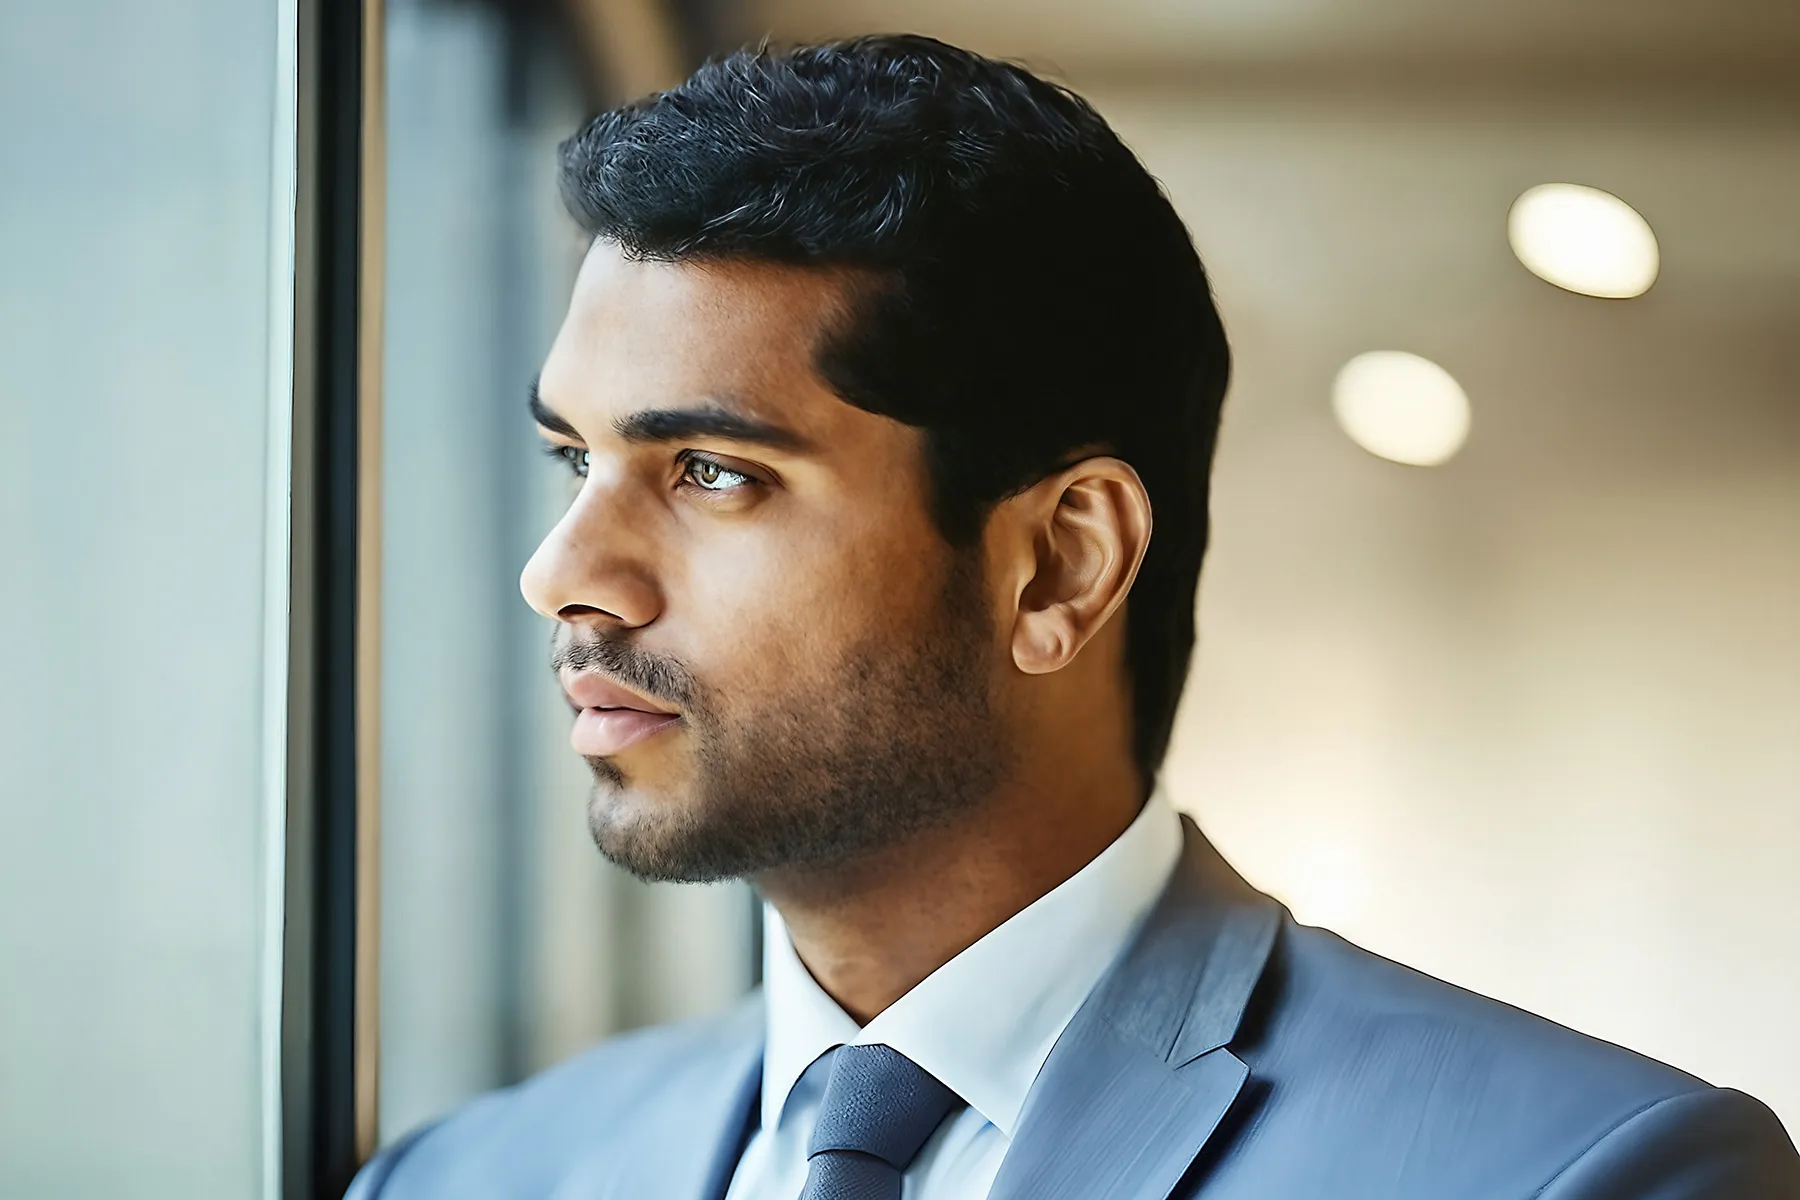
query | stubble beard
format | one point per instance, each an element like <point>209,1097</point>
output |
<point>901,738</point>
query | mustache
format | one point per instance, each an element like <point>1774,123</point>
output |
<point>654,676</point>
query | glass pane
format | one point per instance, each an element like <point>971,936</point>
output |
<point>146,233</point>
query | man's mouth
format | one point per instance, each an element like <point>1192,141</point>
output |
<point>610,717</point>
<point>599,732</point>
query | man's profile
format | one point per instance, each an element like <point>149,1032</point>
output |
<point>890,387</point>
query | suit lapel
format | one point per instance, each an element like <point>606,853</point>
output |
<point>732,1135</point>
<point>1142,1077</point>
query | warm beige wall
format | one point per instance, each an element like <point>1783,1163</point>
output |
<point>1530,721</point>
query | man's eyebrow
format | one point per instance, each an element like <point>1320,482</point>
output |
<point>715,419</point>
<point>541,413</point>
<point>711,420</point>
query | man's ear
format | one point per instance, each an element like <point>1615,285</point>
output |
<point>1076,539</point>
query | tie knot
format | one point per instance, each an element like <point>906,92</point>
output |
<point>881,1103</point>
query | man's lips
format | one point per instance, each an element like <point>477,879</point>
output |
<point>586,689</point>
<point>599,732</point>
<point>610,717</point>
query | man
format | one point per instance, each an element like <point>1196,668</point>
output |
<point>891,384</point>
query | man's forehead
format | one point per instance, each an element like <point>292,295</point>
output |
<point>737,332</point>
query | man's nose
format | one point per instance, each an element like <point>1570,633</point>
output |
<point>589,569</point>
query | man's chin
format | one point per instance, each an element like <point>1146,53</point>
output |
<point>656,838</point>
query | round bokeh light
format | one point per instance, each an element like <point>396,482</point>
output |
<point>1584,240</point>
<point>1401,407</point>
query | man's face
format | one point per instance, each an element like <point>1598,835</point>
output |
<point>755,558</point>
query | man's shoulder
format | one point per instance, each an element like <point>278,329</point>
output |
<point>1332,998</point>
<point>587,1108</point>
<point>1383,1078</point>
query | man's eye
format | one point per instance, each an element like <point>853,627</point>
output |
<point>713,476</point>
<point>574,457</point>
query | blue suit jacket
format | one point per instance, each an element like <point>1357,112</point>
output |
<point>1229,1054</point>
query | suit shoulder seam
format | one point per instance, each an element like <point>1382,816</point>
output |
<point>1642,1109</point>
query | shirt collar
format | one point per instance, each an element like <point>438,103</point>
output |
<point>985,1021</point>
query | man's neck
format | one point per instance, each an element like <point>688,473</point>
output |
<point>869,930</point>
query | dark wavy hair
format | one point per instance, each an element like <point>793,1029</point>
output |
<point>1030,294</point>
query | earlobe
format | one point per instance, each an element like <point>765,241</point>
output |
<point>1039,647</point>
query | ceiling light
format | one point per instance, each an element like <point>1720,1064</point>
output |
<point>1584,240</point>
<point>1401,407</point>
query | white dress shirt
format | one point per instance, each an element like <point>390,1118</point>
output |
<point>983,1023</point>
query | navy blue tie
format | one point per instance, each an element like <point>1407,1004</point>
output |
<point>880,1109</point>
